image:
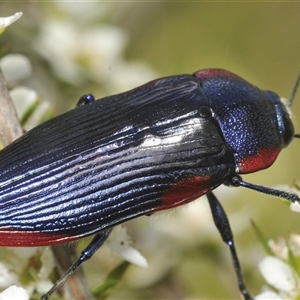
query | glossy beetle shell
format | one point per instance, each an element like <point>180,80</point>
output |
<point>158,146</point>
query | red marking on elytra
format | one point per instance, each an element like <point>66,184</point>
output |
<point>184,191</point>
<point>208,73</point>
<point>263,159</point>
<point>14,238</point>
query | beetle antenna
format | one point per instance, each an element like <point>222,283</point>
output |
<point>238,181</point>
<point>291,99</point>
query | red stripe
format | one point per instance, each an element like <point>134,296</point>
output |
<point>263,159</point>
<point>209,73</point>
<point>13,238</point>
<point>185,191</point>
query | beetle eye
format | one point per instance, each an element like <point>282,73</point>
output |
<point>286,127</point>
<point>285,124</point>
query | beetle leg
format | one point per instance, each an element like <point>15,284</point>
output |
<point>222,223</point>
<point>86,254</point>
<point>238,181</point>
<point>85,99</point>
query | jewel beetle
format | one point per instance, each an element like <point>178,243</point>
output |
<point>156,147</point>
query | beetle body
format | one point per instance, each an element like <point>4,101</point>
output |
<point>155,147</point>
<point>158,146</point>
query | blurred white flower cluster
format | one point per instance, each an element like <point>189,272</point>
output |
<point>15,68</point>
<point>281,270</point>
<point>89,49</point>
<point>281,267</point>
<point>26,267</point>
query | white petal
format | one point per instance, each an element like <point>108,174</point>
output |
<point>279,248</point>
<point>120,242</point>
<point>295,243</point>
<point>268,295</point>
<point>48,263</point>
<point>132,255</point>
<point>277,273</point>
<point>108,43</point>
<point>23,98</point>
<point>7,277</point>
<point>127,75</point>
<point>15,67</point>
<point>36,116</point>
<point>4,22</point>
<point>64,58</point>
<point>43,286</point>
<point>14,292</point>
<point>85,11</point>
<point>295,206</point>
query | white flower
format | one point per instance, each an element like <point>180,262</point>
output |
<point>4,22</point>
<point>21,256</point>
<point>94,49</point>
<point>48,263</point>
<point>278,274</point>
<point>294,243</point>
<point>14,292</point>
<point>267,295</point>
<point>94,53</point>
<point>85,12</point>
<point>119,241</point>
<point>15,67</point>
<point>23,97</point>
<point>295,207</point>
<point>62,58</point>
<point>43,286</point>
<point>7,277</point>
<point>279,248</point>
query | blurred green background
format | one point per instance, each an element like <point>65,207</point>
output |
<point>258,41</point>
